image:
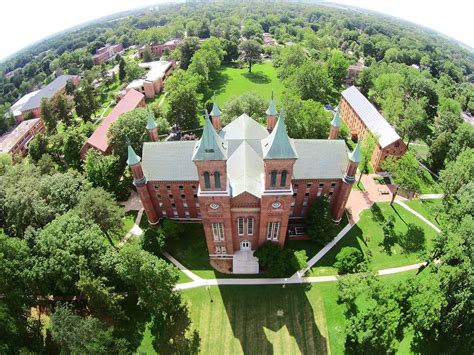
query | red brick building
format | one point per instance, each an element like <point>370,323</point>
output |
<point>245,184</point>
<point>159,49</point>
<point>16,142</point>
<point>31,103</point>
<point>106,53</point>
<point>98,140</point>
<point>361,116</point>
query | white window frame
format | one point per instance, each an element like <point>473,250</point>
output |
<point>250,223</point>
<point>218,231</point>
<point>240,226</point>
<point>273,228</point>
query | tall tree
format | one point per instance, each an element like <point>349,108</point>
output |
<point>186,51</point>
<point>122,73</point>
<point>99,207</point>
<point>48,117</point>
<point>405,172</point>
<point>368,145</point>
<point>250,53</point>
<point>61,109</point>
<point>104,171</point>
<point>85,99</point>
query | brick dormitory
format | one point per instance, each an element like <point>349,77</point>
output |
<point>244,182</point>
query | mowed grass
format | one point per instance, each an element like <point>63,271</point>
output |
<point>367,236</point>
<point>258,319</point>
<point>430,209</point>
<point>233,81</point>
<point>271,319</point>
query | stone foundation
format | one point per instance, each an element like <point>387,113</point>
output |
<point>222,265</point>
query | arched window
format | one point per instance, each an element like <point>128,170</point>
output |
<point>273,178</point>
<point>217,179</point>
<point>207,180</point>
<point>284,173</point>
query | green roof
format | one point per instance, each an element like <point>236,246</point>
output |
<point>278,145</point>
<point>355,155</point>
<point>272,110</point>
<point>133,158</point>
<point>150,121</point>
<point>215,112</point>
<point>210,146</point>
<point>336,121</point>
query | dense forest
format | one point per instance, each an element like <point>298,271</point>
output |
<point>56,209</point>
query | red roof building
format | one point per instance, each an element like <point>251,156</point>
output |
<point>98,140</point>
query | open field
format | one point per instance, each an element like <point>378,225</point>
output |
<point>233,81</point>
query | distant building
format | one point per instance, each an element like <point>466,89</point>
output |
<point>151,83</point>
<point>32,102</point>
<point>106,53</point>
<point>16,142</point>
<point>268,40</point>
<point>98,140</point>
<point>159,49</point>
<point>361,116</point>
<point>353,72</point>
<point>245,182</point>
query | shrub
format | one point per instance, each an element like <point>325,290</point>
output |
<point>280,262</point>
<point>350,260</point>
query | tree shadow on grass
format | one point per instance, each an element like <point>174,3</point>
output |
<point>413,240</point>
<point>398,214</point>
<point>133,325</point>
<point>256,313</point>
<point>257,78</point>
<point>377,214</point>
<point>217,84</point>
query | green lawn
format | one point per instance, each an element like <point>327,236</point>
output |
<point>270,319</point>
<point>367,234</point>
<point>233,81</point>
<point>129,220</point>
<point>428,208</point>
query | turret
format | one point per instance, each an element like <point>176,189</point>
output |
<point>151,127</point>
<point>216,115</point>
<point>338,203</point>
<point>210,156</point>
<point>335,125</point>
<point>279,156</point>
<point>139,180</point>
<point>271,115</point>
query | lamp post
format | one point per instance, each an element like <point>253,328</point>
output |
<point>209,292</point>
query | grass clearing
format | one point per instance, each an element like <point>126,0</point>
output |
<point>430,209</point>
<point>367,235</point>
<point>233,81</point>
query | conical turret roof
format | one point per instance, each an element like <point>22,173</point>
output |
<point>215,112</point>
<point>272,110</point>
<point>133,158</point>
<point>211,146</point>
<point>278,145</point>
<point>355,156</point>
<point>150,121</point>
<point>336,121</point>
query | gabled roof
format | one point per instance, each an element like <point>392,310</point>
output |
<point>271,110</point>
<point>373,120</point>
<point>215,112</point>
<point>210,146</point>
<point>130,101</point>
<point>244,127</point>
<point>278,145</point>
<point>47,92</point>
<point>245,167</point>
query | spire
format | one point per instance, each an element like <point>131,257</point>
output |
<point>271,110</point>
<point>210,146</point>
<point>278,145</point>
<point>133,158</point>
<point>355,155</point>
<point>215,112</point>
<point>150,121</point>
<point>336,121</point>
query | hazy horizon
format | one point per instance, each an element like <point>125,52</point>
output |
<point>444,18</point>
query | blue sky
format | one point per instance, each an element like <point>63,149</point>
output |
<point>26,21</point>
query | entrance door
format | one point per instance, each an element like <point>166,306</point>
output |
<point>245,245</point>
